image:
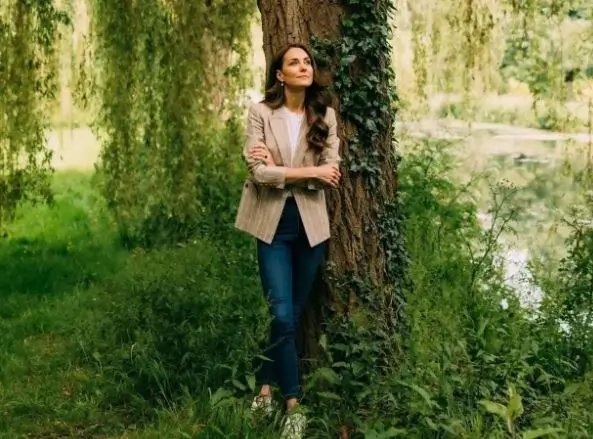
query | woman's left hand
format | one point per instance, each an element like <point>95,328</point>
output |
<point>259,151</point>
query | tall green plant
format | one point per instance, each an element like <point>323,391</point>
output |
<point>27,86</point>
<point>169,74</point>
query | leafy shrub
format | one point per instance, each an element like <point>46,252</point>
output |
<point>468,356</point>
<point>215,195</point>
<point>575,299</point>
<point>220,181</point>
<point>568,304</point>
<point>173,319</point>
<point>467,366</point>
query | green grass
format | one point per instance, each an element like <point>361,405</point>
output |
<point>66,285</point>
<point>51,250</point>
<point>102,342</point>
<point>48,260</point>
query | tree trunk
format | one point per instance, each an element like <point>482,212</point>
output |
<point>357,247</point>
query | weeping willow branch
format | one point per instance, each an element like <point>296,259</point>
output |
<point>28,70</point>
<point>456,44</point>
<point>470,48</point>
<point>169,73</point>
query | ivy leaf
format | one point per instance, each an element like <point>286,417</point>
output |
<point>348,60</point>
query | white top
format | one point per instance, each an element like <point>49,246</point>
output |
<point>294,122</point>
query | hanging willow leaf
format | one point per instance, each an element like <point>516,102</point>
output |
<point>28,69</point>
<point>169,73</point>
<point>473,47</point>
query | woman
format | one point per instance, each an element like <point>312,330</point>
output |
<point>292,154</point>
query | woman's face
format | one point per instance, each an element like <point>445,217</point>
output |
<point>297,69</point>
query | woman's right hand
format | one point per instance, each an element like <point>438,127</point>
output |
<point>260,151</point>
<point>329,174</point>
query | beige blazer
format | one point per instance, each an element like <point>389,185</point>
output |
<point>264,193</point>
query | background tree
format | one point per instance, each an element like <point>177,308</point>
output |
<point>28,71</point>
<point>168,77</point>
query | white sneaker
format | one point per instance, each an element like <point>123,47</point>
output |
<point>294,426</point>
<point>263,404</point>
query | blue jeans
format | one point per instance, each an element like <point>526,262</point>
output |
<point>288,267</point>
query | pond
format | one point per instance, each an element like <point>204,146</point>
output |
<point>538,170</point>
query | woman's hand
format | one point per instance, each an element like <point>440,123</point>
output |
<point>329,174</point>
<point>259,151</point>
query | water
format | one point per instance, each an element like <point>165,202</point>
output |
<point>540,166</point>
<point>515,264</point>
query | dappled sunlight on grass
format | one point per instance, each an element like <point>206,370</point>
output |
<point>52,249</point>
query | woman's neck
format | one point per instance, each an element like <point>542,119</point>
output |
<point>294,101</point>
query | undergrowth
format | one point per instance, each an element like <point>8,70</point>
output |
<point>101,341</point>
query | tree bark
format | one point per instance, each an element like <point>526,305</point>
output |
<point>356,247</point>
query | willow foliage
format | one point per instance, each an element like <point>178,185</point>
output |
<point>168,71</point>
<point>28,31</point>
<point>474,46</point>
<point>457,44</point>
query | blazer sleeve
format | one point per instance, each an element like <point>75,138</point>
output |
<point>331,154</point>
<point>261,173</point>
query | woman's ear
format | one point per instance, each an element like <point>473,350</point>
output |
<point>279,76</point>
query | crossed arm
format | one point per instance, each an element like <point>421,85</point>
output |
<point>265,172</point>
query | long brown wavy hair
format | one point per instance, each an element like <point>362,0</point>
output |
<point>316,98</point>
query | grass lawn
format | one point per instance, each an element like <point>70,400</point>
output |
<point>59,280</point>
<point>49,259</point>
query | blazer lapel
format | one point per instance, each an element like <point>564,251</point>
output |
<point>280,131</point>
